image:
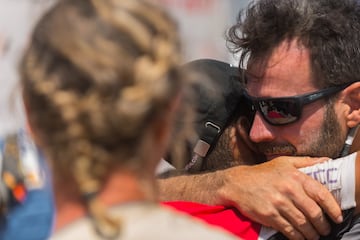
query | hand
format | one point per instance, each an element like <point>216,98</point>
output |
<point>277,195</point>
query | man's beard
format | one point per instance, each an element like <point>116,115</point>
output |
<point>329,143</point>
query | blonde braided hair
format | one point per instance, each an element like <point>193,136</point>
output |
<point>95,73</point>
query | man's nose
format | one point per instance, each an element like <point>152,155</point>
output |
<point>260,130</point>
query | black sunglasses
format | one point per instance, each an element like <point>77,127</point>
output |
<point>286,110</point>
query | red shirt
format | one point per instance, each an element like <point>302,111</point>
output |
<point>226,217</point>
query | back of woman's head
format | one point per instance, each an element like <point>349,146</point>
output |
<point>95,75</point>
<point>96,72</point>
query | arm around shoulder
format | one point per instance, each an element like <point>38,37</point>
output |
<point>202,187</point>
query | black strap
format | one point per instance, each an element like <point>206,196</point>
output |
<point>216,102</point>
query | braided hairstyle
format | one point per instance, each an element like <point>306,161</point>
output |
<point>95,74</point>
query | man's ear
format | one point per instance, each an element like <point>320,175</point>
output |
<point>353,100</point>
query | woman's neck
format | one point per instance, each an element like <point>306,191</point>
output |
<point>121,187</point>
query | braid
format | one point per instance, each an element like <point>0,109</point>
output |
<point>85,166</point>
<point>96,72</point>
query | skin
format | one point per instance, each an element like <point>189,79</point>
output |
<point>288,73</point>
<point>288,193</point>
<point>295,203</point>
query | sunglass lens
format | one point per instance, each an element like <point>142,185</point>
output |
<point>279,112</point>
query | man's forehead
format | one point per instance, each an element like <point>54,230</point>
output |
<point>285,72</point>
<point>291,51</point>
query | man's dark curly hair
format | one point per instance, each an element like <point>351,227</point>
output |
<point>330,29</point>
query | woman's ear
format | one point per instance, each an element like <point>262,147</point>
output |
<point>353,100</point>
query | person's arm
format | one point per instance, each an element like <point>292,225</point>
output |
<point>195,187</point>
<point>274,194</point>
<point>339,176</point>
<point>342,177</point>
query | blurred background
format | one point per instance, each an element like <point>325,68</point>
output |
<point>202,24</point>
